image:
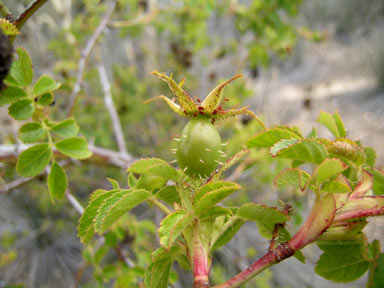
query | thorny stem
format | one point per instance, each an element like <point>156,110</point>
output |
<point>281,252</point>
<point>28,12</point>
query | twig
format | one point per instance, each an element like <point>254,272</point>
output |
<point>85,54</point>
<point>141,19</point>
<point>118,131</point>
<point>13,184</point>
<point>28,12</point>
<point>9,153</point>
<point>76,204</point>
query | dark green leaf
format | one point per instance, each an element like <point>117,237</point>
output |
<point>57,182</point>
<point>339,185</point>
<point>66,128</point>
<point>342,260</point>
<point>211,194</point>
<point>32,161</point>
<point>155,167</point>
<point>265,217</point>
<point>228,234</point>
<point>172,226</point>
<point>333,123</point>
<point>31,132</point>
<point>116,206</point>
<point>150,183</point>
<point>131,180</point>
<point>114,183</point>
<point>378,181</point>
<point>377,273</point>
<point>306,150</point>
<point>11,94</point>
<point>270,137</point>
<point>168,194</point>
<point>44,85</point>
<point>45,99</point>
<point>21,70</point>
<point>22,109</point>
<point>292,177</point>
<point>157,275</point>
<point>327,169</point>
<point>74,147</point>
<point>86,228</point>
<point>370,156</point>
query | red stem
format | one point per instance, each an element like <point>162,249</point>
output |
<point>274,256</point>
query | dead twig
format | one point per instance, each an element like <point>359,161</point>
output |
<point>85,54</point>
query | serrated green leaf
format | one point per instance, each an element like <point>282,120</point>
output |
<point>114,183</point>
<point>333,123</point>
<point>267,139</point>
<point>57,182</point>
<point>377,273</point>
<point>45,99</point>
<point>110,211</point>
<point>157,274</point>
<point>172,226</point>
<point>74,147</point>
<point>168,194</point>
<point>32,161</point>
<point>342,260</point>
<point>22,109</point>
<point>44,85</point>
<point>329,168</point>
<point>8,27</point>
<point>307,150</point>
<point>86,228</point>
<point>21,70</point>
<point>131,179</point>
<point>211,194</point>
<point>292,177</point>
<point>228,234</point>
<point>183,262</point>
<point>31,132</point>
<point>370,156</point>
<point>155,167</point>
<point>378,181</point>
<point>340,185</point>
<point>312,134</point>
<point>265,217</point>
<point>214,212</point>
<point>283,144</point>
<point>348,150</point>
<point>66,128</point>
<point>150,183</point>
<point>11,94</point>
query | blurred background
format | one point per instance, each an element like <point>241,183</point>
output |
<point>297,57</point>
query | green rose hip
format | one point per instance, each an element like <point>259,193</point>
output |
<point>198,150</point>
